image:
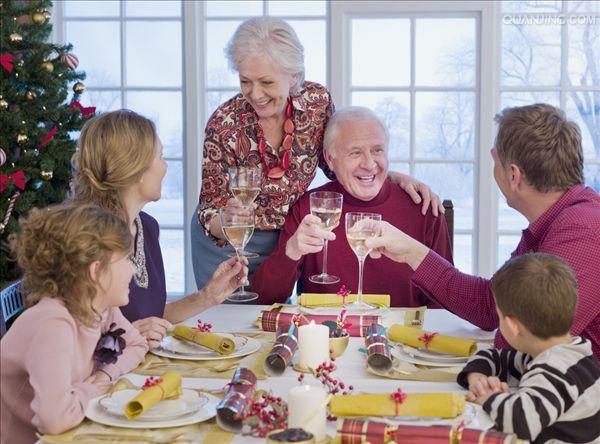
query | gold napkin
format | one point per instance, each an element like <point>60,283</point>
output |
<point>423,405</point>
<point>220,344</point>
<point>168,388</point>
<point>439,343</point>
<point>335,300</point>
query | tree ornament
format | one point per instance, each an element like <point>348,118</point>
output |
<point>30,95</point>
<point>70,60</point>
<point>47,14</point>
<point>22,139</point>
<point>46,175</point>
<point>48,66</point>
<point>15,37</point>
<point>79,87</point>
<point>38,18</point>
<point>11,204</point>
<point>3,104</point>
<point>14,108</point>
<point>2,157</point>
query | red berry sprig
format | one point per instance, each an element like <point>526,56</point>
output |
<point>203,327</point>
<point>324,374</point>
<point>151,381</point>
<point>266,413</point>
<point>344,293</point>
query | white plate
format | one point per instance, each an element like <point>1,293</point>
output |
<point>189,402</point>
<point>171,347</point>
<point>433,356</point>
<point>400,354</point>
<point>377,311</point>
<point>474,417</point>
<point>97,413</point>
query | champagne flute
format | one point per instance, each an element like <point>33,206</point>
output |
<point>327,206</point>
<point>238,226</point>
<point>245,184</point>
<point>359,228</point>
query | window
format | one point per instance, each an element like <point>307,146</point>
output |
<point>132,53</point>
<point>551,53</point>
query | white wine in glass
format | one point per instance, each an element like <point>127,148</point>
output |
<point>245,184</point>
<point>238,226</point>
<point>359,228</point>
<point>327,206</point>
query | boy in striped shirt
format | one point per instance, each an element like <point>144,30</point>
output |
<point>548,389</point>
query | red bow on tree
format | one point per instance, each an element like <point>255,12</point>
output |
<point>85,111</point>
<point>398,397</point>
<point>7,61</point>
<point>18,180</point>
<point>48,137</point>
<point>426,338</point>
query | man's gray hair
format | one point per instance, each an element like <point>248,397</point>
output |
<point>271,37</point>
<point>345,115</point>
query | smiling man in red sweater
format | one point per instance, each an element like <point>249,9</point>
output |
<point>355,148</point>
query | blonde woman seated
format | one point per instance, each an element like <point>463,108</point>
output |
<point>120,167</point>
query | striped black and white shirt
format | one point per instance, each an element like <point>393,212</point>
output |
<point>557,394</point>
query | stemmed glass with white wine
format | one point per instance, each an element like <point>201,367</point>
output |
<point>237,223</point>
<point>359,228</point>
<point>327,206</point>
<point>245,184</point>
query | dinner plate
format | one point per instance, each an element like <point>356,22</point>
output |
<point>474,417</point>
<point>189,402</point>
<point>98,413</point>
<point>171,347</point>
<point>402,355</point>
<point>433,356</point>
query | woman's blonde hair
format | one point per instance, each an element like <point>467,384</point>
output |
<point>114,151</point>
<point>55,248</point>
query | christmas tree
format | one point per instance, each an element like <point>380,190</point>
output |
<point>38,110</point>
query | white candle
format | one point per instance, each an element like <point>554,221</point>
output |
<point>307,408</point>
<point>313,345</point>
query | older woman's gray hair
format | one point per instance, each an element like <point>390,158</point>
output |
<point>346,115</point>
<point>275,38</point>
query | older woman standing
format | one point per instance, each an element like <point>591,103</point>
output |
<point>277,122</point>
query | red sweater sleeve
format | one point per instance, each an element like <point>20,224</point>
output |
<point>274,279</point>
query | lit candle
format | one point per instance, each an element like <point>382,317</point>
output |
<point>313,345</point>
<point>307,410</point>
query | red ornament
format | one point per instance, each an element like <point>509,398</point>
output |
<point>426,338</point>
<point>203,327</point>
<point>398,396</point>
<point>151,381</point>
<point>6,60</point>
<point>70,60</point>
<point>343,293</point>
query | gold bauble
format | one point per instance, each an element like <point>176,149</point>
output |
<point>3,104</point>
<point>22,138</point>
<point>30,95</point>
<point>79,87</point>
<point>46,175</point>
<point>47,14</point>
<point>38,18</point>
<point>15,37</point>
<point>48,66</point>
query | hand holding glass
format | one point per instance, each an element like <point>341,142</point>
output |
<point>245,184</point>
<point>327,206</point>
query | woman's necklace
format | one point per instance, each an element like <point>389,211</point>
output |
<point>285,161</point>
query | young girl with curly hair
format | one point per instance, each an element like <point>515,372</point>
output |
<point>72,340</point>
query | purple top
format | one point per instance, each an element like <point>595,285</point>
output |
<point>149,301</point>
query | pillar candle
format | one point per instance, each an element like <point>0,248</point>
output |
<point>313,345</point>
<point>307,409</point>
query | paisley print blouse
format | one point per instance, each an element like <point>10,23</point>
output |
<point>231,139</point>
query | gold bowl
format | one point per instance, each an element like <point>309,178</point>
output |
<point>337,346</point>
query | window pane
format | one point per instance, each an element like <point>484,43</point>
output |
<point>399,166</point>
<point>509,219</point>
<point>320,179</point>
<point>394,109</point>
<point>218,8</point>
<point>91,8</point>
<point>102,100</point>
<point>165,109</point>
<point>445,52</point>
<point>98,57</point>
<point>584,5</point>
<point>522,98</point>
<point>531,6</point>
<point>584,53</point>
<point>153,8</point>
<point>451,181</point>
<point>531,54</point>
<point>153,58</point>
<point>592,175</point>
<point>463,253</point>
<point>217,37</point>
<point>215,98</point>
<point>312,35</point>
<point>169,209</point>
<point>582,106</point>
<point>386,63</point>
<point>171,244</point>
<point>445,125</point>
<point>295,7</point>
<point>506,245</point>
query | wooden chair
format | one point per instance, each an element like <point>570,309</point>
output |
<point>12,303</point>
<point>449,215</point>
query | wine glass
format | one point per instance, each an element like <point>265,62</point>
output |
<point>359,228</point>
<point>327,206</point>
<point>245,184</point>
<point>238,226</point>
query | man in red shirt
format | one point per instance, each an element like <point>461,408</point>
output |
<point>355,148</point>
<point>538,166</point>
